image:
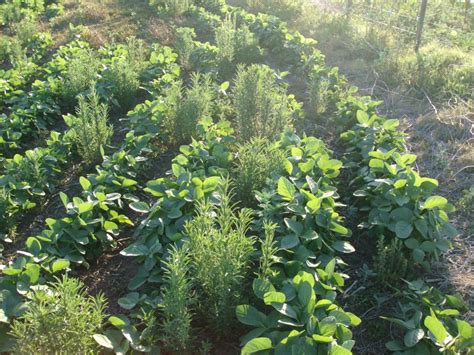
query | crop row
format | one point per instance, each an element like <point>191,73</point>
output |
<point>246,193</point>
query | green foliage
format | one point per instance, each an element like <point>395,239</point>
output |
<point>303,203</point>
<point>186,107</point>
<point>262,106</point>
<point>123,76</point>
<point>196,175</point>
<point>82,71</point>
<point>412,214</point>
<point>27,178</point>
<point>211,5</point>
<point>177,300</point>
<point>174,7</point>
<point>438,71</point>
<point>318,95</point>
<point>431,323</point>
<point>269,252</point>
<point>297,316</point>
<point>60,319</point>
<point>284,9</point>
<point>390,263</point>
<point>235,45</point>
<point>88,128</point>
<point>185,46</point>
<point>256,161</point>
<point>220,255</point>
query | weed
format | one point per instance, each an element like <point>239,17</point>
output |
<point>88,128</point>
<point>81,72</point>
<point>390,264</point>
<point>256,161</point>
<point>123,77</point>
<point>236,45</point>
<point>185,46</point>
<point>318,95</point>
<point>177,299</point>
<point>262,106</point>
<point>220,254</point>
<point>173,7</point>
<point>60,319</point>
<point>186,107</point>
<point>269,252</point>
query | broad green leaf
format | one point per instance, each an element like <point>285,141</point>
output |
<point>119,321</point>
<point>327,326</point>
<point>464,329</point>
<point>285,309</point>
<point>362,117</point>
<point>403,229</point>
<point>338,350</point>
<point>322,339</point>
<point>64,198</point>
<point>436,328</point>
<point>250,315</point>
<point>210,184</point>
<point>141,207</point>
<point>305,293</point>
<point>435,202</point>
<point>59,265</point>
<point>286,189</point>
<point>85,183</point>
<point>274,297</point>
<point>255,345</point>
<point>135,250</point>
<point>355,321</point>
<point>104,341</point>
<point>110,226</point>
<point>343,246</point>
<point>85,207</point>
<point>376,163</point>
<point>261,287</point>
<point>314,204</point>
<point>418,255</point>
<point>129,301</point>
<point>412,337</point>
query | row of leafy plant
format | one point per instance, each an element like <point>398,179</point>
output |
<point>397,210</point>
<point>399,202</point>
<point>92,219</point>
<point>68,78</point>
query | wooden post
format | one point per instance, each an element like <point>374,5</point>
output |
<point>420,22</point>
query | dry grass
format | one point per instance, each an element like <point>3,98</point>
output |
<point>110,21</point>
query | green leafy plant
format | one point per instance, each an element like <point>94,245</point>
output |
<point>318,95</point>
<point>256,161</point>
<point>220,255</point>
<point>185,46</point>
<point>262,106</point>
<point>122,78</point>
<point>390,263</point>
<point>60,319</point>
<point>177,300</point>
<point>430,322</point>
<point>269,252</point>
<point>186,107</point>
<point>295,319</point>
<point>88,128</point>
<point>174,7</point>
<point>235,45</point>
<point>82,72</point>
